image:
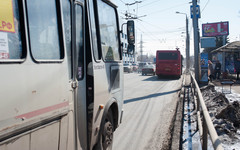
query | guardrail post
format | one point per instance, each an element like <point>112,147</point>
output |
<point>198,104</point>
<point>191,84</point>
<point>194,89</point>
<point>205,135</point>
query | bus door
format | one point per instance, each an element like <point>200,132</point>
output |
<point>79,76</point>
<point>106,66</point>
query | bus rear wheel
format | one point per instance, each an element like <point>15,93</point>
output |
<point>106,135</point>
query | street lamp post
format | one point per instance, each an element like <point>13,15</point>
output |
<point>187,42</point>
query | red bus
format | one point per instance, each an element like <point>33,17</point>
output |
<point>169,62</point>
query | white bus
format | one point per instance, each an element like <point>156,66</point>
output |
<point>61,79</point>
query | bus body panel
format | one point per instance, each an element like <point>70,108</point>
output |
<point>168,66</point>
<point>30,97</point>
<point>105,93</point>
<point>43,107</point>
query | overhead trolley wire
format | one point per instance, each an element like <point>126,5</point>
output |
<point>123,2</point>
<point>205,6</point>
<point>165,31</point>
<point>168,8</point>
<point>150,3</point>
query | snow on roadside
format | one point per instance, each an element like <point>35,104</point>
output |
<point>233,96</point>
<point>222,108</point>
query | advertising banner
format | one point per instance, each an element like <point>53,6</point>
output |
<point>215,29</point>
<point>204,67</point>
<point>4,48</point>
<point>6,16</point>
<point>229,62</point>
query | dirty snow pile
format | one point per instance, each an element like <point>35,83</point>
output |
<point>224,110</point>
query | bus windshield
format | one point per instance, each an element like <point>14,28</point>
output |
<point>167,56</point>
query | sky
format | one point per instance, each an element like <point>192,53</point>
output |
<point>162,29</point>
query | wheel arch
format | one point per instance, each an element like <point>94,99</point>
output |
<point>113,106</point>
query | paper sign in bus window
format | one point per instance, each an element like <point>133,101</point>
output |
<point>4,49</point>
<point>6,16</point>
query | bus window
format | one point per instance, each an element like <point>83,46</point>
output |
<point>168,56</point>
<point>108,32</point>
<point>11,45</point>
<point>43,29</point>
<point>96,52</point>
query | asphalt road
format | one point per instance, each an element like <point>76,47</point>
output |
<point>149,107</point>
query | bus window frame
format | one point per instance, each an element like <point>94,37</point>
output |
<point>60,36</point>
<point>76,58</point>
<point>93,24</point>
<point>98,30</point>
<point>23,29</point>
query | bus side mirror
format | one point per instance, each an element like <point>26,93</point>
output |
<point>130,49</point>
<point>130,37</point>
<point>130,32</point>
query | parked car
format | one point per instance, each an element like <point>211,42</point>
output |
<point>127,68</point>
<point>135,66</point>
<point>149,69</point>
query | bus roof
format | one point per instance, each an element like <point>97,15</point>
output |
<point>167,51</point>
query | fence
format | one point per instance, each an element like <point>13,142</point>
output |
<point>205,124</point>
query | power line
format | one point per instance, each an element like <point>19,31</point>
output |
<point>151,35</point>
<point>150,3</point>
<point>166,31</point>
<point>122,2</point>
<point>136,2</point>
<point>205,6</point>
<point>167,8</point>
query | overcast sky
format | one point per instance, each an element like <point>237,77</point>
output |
<point>161,28</point>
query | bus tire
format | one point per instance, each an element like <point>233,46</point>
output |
<point>105,140</point>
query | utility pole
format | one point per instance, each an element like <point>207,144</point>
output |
<point>196,39</point>
<point>141,50</point>
<point>187,46</point>
<point>187,42</point>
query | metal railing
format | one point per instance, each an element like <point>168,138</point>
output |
<point>204,125</point>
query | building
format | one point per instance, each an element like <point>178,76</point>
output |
<point>228,55</point>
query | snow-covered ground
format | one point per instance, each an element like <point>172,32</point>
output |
<point>216,102</point>
<point>233,96</point>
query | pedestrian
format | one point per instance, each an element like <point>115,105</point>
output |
<point>217,69</point>
<point>210,70</point>
<point>237,67</point>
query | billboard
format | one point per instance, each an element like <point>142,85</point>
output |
<point>215,29</point>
